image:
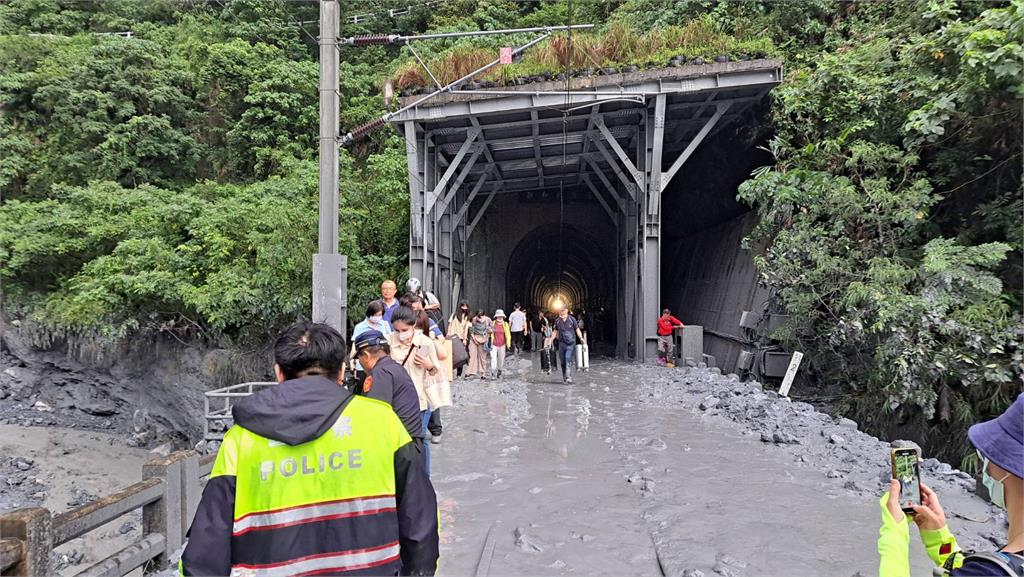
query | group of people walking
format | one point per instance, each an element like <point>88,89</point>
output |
<point>323,474</point>
<point>329,473</point>
<point>489,340</point>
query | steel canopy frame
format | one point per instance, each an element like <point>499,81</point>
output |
<point>467,147</point>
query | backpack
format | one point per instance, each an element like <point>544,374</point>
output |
<point>1010,564</point>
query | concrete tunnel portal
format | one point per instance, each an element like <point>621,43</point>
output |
<point>533,194</point>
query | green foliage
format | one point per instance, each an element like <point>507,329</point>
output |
<point>890,224</point>
<point>167,182</point>
<point>619,45</point>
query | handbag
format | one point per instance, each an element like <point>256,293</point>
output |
<point>460,356</point>
<point>439,392</point>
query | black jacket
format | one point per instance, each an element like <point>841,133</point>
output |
<point>393,385</point>
<point>295,412</point>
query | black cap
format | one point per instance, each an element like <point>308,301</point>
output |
<point>368,339</point>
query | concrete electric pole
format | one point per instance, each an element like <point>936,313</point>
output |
<point>330,291</point>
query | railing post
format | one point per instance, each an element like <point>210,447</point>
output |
<point>34,527</point>
<point>191,490</point>
<point>164,516</point>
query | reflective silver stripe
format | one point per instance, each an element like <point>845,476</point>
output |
<point>345,561</point>
<point>310,512</point>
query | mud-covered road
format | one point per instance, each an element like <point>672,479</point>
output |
<point>631,470</point>
<point>645,470</point>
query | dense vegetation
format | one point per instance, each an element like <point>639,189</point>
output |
<point>166,182</point>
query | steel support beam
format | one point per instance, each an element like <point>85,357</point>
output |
<point>482,211</point>
<point>454,188</point>
<point>767,77</point>
<point>611,214</point>
<point>629,184</point>
<point>469,199</point>
<point>622,112</point>
<point>690,148</point>
<point>487,149</point>
<point>432,198</point>
<point>610,138</point>
<point>536,147</point>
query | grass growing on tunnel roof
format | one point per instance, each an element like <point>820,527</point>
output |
<point>618,46</point>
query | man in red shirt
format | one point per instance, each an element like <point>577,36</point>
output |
<point>666,324</point>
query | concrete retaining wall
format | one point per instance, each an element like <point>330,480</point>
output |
<point>709,280</point>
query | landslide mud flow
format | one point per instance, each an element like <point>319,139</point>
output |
<point>646,470</point>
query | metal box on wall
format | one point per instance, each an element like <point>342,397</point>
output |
<point>776,363</point>
<point>745,361</point>
<point>749,319</point>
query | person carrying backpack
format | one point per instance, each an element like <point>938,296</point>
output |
<point>1000,444</point>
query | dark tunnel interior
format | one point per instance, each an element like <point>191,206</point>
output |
<point>554,265</point>
<point>543,250</point>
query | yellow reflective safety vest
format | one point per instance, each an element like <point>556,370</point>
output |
<point>353,500</point>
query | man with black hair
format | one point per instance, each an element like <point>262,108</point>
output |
<point>518,328</point>
<point>312,479</point>
<point>415,302</point>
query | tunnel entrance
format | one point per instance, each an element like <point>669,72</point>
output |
<point>566,264</point>
<point>536,194</point>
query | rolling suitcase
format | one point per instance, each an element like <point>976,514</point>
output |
<point>582,357</point>
<point>545,361</point>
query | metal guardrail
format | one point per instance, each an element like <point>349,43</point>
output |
<point>217,410</point>
<point>168,495</point>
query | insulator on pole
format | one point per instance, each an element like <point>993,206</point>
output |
<point>362,130</point>
<point>371,39</point>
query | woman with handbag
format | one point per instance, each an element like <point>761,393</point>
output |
<point>479,338</point>
<point>501,340</point>
<point>458,327</point>
<point>416,353</point>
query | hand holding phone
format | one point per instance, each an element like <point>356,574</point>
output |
<point>930,515</point>
<point>905,469</point>
<point>422,357</point>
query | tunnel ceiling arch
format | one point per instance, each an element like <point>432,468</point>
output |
<point>553,263</point>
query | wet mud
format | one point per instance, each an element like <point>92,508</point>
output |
<point>646,470</point>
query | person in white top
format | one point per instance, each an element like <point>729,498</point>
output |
<point>519,328</point>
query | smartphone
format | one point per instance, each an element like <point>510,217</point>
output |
<point>905,469</point>
<point>423,351</point>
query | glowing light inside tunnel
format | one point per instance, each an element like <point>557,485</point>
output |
<point>557,302</point>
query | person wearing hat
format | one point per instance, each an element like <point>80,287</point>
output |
<point>1000,445</point>
<point>387,381</point>
<point>501,338</point>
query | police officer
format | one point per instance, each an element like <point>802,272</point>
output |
<point>387,381</point>
<point>312,479</point>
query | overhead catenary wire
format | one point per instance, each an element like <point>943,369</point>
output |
<point>565,144</point>
<point>369,127</point>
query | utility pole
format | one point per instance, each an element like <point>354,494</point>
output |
<point>330,292</point>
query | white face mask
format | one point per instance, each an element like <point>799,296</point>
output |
<point>406,335</point>
<point>374,320</point>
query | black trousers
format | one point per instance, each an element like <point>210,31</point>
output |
<point>434,425</point>
<point>518,341</point>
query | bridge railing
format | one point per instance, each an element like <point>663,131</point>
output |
<point>217,410</point>
<point>168,494</point>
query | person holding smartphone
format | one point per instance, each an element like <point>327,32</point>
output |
<point>414,352</point>
<point>1000,445</point>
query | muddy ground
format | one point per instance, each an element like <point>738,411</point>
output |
<point>60,469</point>
<point>646,470</point>
<point>636,470</point>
